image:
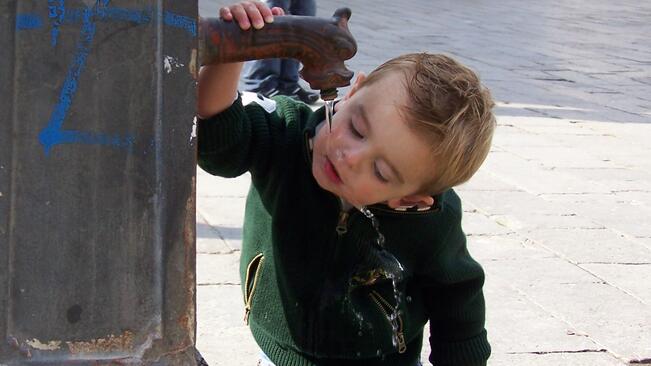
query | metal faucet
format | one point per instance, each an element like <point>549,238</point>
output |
<point>320,44</point>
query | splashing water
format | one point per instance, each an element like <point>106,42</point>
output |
<point>390,266</point>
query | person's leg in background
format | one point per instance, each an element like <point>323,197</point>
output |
<point>263,76</point>
<point>288,83</point>
<point>279,76</point>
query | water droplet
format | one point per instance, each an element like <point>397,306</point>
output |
<point>328,112</point>
<point>359,354</point>
<point>408,298</point>
<point>360,333</point>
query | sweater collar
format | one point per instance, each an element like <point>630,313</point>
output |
<point>308,134</point>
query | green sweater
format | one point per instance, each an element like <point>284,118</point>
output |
<point>311,294</point>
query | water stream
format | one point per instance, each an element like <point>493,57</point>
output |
<point>385,266</point>
<point>329,110</point>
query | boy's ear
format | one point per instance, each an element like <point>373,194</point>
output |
<point>420,200</point>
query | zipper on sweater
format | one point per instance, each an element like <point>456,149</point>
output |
<point>345,212</point>
<point>396,324</point>
<point>342,223</point>
<point>250,283</point>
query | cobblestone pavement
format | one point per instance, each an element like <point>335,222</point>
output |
<point>560,213</point>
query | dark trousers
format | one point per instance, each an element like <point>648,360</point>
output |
<point>269,74</point>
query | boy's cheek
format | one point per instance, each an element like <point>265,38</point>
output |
<point>365,195</point>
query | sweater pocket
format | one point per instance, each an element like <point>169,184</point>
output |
<point>250,283</point>
<point>394,319</point>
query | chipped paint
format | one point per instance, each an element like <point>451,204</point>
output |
<point>113,343</point>
<point>170,62</point>
<point>49,346</point>
<point>193,134</point>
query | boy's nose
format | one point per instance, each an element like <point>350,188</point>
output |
<point>352,157</point>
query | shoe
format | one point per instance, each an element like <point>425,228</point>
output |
<point>298,93</point>
<point>269,93</point>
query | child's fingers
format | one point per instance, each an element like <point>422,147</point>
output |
<point>277,11</point>
<point>225,13</point>
<point>240,16</point>
<point>254,14</point>
<point>265,12</point>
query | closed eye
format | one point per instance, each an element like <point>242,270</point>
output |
<point>379,175</point>
<point>355,132</point>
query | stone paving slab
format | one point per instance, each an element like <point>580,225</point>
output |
<point>209,240</point>
<point>534,178</point>
<point>497,248</point>
<point>596,246</point>
<point>216,187</point>
<point>222,336</point>
<point>218,269</point>
<point>564,358</point>
<point>629,277</point>
<point>538,331</point>
<point>475,223</point>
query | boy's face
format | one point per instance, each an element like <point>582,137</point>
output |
<point>371,155</point>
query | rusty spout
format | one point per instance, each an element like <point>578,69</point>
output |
<point>321,45</point>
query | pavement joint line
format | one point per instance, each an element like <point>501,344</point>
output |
<point>219,284</point>
<point>619,263</point>
<point>559,255</point>
<point>576,264</point>
<point>542,195</point>
<point>600,350</point>
<point>488,190</point>
<point>219,252</point>
<point>222,196</point>
<point>516,259</point>
<point>489,234</point>
<point>562,319</point>
<point>642,361</point>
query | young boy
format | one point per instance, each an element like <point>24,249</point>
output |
<point>317,289</point>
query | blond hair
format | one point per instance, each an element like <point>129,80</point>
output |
<point>448,106</point>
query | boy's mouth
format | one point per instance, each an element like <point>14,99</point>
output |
<point>331,171</point>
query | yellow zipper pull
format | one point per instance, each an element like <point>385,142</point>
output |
<point>247,311</point>
<point>342,224</point>
<point>399,333</point>
<point>402,345</point>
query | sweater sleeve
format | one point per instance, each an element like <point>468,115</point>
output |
<point>455,302</point>
<point>235,140</point>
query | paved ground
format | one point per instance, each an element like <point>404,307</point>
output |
<point>559,215</point>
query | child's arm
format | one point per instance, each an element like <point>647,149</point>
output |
<point>454,298</point>
<point>218,83</point>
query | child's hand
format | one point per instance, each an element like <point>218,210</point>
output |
<point>246,13</point>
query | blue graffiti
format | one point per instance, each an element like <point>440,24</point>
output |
<point>59,15</point>
<point>53,134</point>
<point>121,14</point>
<point>28,21</point>
<point>56,10</point>
<point>180,21</point>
